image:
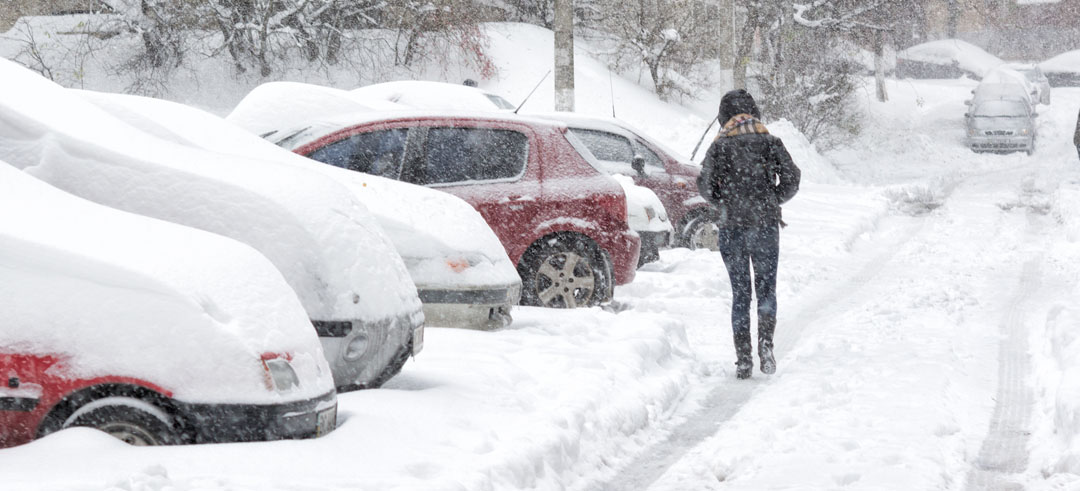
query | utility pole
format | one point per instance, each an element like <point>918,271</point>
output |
<point>564,55</point>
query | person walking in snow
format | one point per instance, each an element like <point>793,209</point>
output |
<point>746,175</point>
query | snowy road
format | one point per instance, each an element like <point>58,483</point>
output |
<point>921,305</point>
<point>911,364</point>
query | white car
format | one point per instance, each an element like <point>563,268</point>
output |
<point>1003,79</point>
<point>330,249</point>
<point>1034,75</point>
<point>461,271</point>
<point>945,58</point>
<point>647,217</point>
<point>440,96</point>
<point>152,332</point>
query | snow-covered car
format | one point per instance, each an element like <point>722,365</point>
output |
<point>647,217</point>
<point>1035,76</point>
<point>1001,125</point>
<point>152,332</point>
<point>1005,81</point>
<point>622,149</point>
<point>562,222</point>
<point>353,285</point>
<point>1063,70</point>
<point>421,94</point>
<point>945,58</point>
<point>461,271</point>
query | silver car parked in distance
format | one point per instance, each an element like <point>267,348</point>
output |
<point>1001,125</point>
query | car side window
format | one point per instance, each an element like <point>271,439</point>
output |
<point>473,154</point>
<point>606,146</point>
<point>651,158</point>
<point>376,152</point>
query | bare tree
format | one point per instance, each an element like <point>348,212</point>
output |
<point>871,21</point>
<point>669,37</point>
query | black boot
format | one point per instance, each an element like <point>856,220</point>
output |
<point>744,351</point>
<point>765,330</point>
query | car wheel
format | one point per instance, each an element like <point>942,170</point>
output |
<point>131,420</point>
<point>563,272</point>
<point>701,233</point>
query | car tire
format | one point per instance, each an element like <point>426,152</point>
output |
<point>564,271</point>
<point>130,420</point>
<point>701,232</point>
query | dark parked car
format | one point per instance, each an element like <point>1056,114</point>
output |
<point>561,221</point>
<point>625,150</point>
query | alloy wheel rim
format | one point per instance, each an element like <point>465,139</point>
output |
<point>565,280</point>
<point>705,236</point>
<point>130,433</point>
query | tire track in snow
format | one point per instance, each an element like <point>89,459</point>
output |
<point>1004,451</point>
<point>731,395</point>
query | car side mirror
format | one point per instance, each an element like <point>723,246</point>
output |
<point>967,115</point>
<point>638,164</point>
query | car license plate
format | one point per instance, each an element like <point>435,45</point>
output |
<point>417,340</point>
<point>326,421</point>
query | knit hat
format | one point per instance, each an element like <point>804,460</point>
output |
<point>737,102</point>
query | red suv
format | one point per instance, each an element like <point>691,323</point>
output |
<point>562,221</point>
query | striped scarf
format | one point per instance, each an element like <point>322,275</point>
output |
<point>742,124</point>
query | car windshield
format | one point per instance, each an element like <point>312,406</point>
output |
<point>1001,109</point>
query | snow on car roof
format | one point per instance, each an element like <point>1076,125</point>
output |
<point>422,223</point>
<point>603,123</point>
<point>1067,62</point>
<point>422,94</point>
<point>292,114</point>
<point>105,288</point>
<point>325,243</point>
<point>967,56</point>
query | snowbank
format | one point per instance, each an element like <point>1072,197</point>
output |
<point>123,295</point>
<point>308,226</point>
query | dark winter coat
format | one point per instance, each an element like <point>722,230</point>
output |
<point>747,173</point>
<point>1076,135</point>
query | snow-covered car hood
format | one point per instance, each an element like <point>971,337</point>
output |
<point>421,94</point>
<point>645,212</point>
<point>444,241</point>
<point>116,294</point>
<point>325,242</point>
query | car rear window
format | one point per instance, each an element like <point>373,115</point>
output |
<point>376,152</point>
<point>474,154</point>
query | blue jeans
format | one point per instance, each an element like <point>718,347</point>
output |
<point>743,248</point>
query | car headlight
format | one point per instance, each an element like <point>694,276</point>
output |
<point>281,374</point>
<point>1025,131</point>
<point>357,347</point>
<point>971,132</point>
